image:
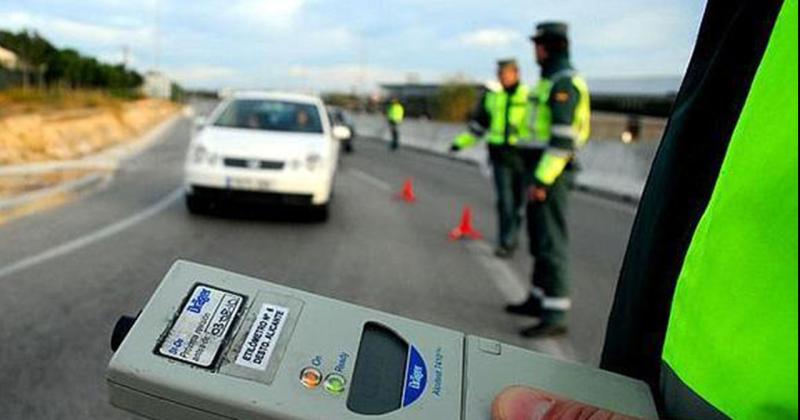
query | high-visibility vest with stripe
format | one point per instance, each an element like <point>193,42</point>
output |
<point>514,110</point>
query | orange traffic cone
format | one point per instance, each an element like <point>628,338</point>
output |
<point>465,228</point>
<point>407,193</point>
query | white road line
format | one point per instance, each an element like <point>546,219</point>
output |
<point>370,179</point>
<point>514,291</point>
<point>92,237</point>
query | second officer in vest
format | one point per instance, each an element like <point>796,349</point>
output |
<point>503,118</point>
<point>561,127</point>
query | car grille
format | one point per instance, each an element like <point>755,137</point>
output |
<point>271,165</point>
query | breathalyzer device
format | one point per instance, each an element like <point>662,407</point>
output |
<point>211,344</point>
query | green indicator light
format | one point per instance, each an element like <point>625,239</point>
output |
<point>335,383</point>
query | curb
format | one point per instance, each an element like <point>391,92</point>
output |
<point>79,185</point>
<point>426,151</point>
<point>607,194</point>
<point>107,161</point>
<point>579,186</point>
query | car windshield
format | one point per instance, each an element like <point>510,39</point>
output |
<point>260,114</point>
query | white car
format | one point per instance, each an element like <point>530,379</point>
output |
<point>264,148</point>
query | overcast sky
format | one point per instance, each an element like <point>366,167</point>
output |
<point>330,44</point>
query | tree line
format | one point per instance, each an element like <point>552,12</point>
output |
<point>44,65</point>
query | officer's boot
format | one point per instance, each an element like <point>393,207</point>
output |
<point>532,307</point>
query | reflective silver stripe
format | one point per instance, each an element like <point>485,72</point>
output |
<point>551,303</point>
<point>476,128</point>
<point>531,145</point>
<point>557,152</point>
<point>563,130</point>
<point>557,304</point>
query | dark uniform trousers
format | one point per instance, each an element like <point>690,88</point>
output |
<point>549,239</point>
<point>395,133</point>
<point>510,180</point>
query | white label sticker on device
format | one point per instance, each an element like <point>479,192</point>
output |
<point>263,337</point>
<point>202,326</point>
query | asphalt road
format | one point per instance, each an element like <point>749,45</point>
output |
<point>67,274</point>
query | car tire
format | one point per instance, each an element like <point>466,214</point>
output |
<point>320,213</point>
<point>348,146</point>
<point>196,205</point>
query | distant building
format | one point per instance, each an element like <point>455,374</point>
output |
<point>10,69</point>
<point>157,85</point>
<point>8,59</point>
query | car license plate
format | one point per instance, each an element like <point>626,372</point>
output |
<point>248,184</point>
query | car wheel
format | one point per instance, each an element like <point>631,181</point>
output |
<point>196,205</point>
<point>321,213</point>
<point>348,146</point>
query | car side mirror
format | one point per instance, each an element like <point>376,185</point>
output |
<point>341,132</point>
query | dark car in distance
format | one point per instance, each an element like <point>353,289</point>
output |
<point>339,116</point>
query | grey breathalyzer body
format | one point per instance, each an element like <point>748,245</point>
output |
<point>211,344</point>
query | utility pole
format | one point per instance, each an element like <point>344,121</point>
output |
<point>126,56</point>
<point>362,72</point>
<point>157,35</point>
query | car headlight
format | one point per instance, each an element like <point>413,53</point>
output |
<point>201,155</point>
<point>313,160</point>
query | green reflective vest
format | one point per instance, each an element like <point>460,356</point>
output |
<point>706,303</point>
<point>557,156</point>
<point>732,334</point>
<point>514,110</point>
<point>395,113</point>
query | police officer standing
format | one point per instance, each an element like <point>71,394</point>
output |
<point>561,127</point>
<point>503,117</point>
<point>394,115</point>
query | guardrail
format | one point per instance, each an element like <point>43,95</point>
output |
<point>638,105</point>
<point>609,167</point>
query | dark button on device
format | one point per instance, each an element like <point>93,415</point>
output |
<point>121,329</point>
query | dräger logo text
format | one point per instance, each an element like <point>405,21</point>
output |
<point>197,303</point>
<point>416,377</point>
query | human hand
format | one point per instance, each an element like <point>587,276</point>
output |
<point>537,193</point>
<point>522,403</point>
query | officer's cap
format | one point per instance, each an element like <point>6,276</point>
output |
<point>550,30</point>
<point>507,62</point>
